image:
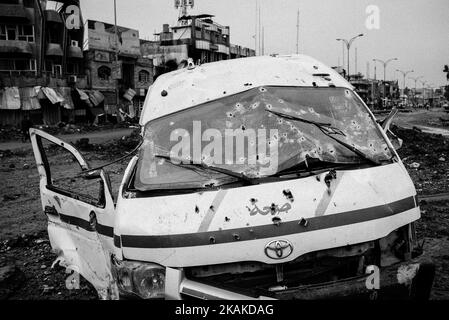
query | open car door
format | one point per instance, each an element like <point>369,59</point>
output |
<point>79,208</point>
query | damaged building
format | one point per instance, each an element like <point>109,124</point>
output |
<point>195,36</point>
<point>115,68</point>
<point>41,60</point>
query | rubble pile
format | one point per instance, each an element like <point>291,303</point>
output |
<point>114,148</point>
<point>26,273</point>
<point>425,156</point>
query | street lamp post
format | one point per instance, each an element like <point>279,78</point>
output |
<point>423,83</point>
<point>404,74</point>
<point>385,63</point>
<point>348,46</point>
<point>416,80</point>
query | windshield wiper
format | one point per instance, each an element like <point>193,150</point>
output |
<point>328,130</point>
<point>325,127</point>
<point>181,162</point>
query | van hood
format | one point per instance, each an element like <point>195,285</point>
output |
<point>270,223</point>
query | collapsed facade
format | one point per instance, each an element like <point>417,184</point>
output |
<point>39,64</point>
<point>115,67</point>
<point>46,75</point>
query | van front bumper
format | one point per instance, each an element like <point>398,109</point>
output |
<point>408,280</point>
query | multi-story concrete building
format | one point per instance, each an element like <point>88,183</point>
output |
<point>40,50</point>
<point>197,37</point>
<point>115,67</point>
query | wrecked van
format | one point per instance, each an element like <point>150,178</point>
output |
<point>256,178</point>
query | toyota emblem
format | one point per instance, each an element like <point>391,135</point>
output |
<point>278,249</point>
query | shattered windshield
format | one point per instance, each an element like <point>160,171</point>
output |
<point>255,134</point>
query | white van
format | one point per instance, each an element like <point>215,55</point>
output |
<point>257,178</point>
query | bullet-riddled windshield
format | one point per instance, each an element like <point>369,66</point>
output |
<point>257,133</point>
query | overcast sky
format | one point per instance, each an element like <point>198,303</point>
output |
<point>414,31</point>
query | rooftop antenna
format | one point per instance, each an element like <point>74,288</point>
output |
<point>182,6</point>
<point>297,33</point>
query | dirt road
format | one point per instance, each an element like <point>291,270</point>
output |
<point>94,137</point>
<point>25,253</point>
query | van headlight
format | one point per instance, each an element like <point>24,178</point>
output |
<point>145,280</point>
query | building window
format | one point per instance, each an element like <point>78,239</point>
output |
<point>144,76</point>
<point>104,73</point>
<point>56,70</point>
<point>17,32</point>
<point>17,65</point>
<point>72,68</point>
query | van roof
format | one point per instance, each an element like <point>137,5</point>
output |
<point>184,88</point>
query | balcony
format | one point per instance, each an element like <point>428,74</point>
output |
<point>54,50</point>
<point>75,52</point>
<point>53,16</point>
<point>12,47</point>
<point>12,12</point>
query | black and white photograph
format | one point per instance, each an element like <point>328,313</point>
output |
<point>243,150</point>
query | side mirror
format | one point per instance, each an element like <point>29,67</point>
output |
<point>395,140</point>
<point>385,124</point>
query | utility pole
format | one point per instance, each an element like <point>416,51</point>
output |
<point>404,74</point>
<point>348,46</point>
<point>260,33</point>
<point>355,68</point>
<point>385,63</point>
<point>263,40</point>
<point>414,94</point>
<point>256,28</point>
<point>297,33</point>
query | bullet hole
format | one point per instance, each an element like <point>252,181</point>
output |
<point>276,220</point>
<point>273,208</point>
<point>288,194</point>
<point>269,106</point>
<point>257,157</point>
<point>197,210</point>
<point>335,204</point>
<point>318,178</point>
<point>314,84</point>
<point>93,220</point>
<point>211,208</point>
<point>243,128</point>
<point>315,67</point>
<point>211,240</point>
<point>164,93</point>
<point>227,219</point>
<point>248,84</point>
<point>230,115</point>
<point>224,92</point>
<point>329,177</point>
<point>262,89</point>
<point>253,201</point>
<point>314,199</point>
<point>236,236</point>
<point>303,222</point>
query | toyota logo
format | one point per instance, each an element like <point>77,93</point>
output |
<point>278,249</point>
